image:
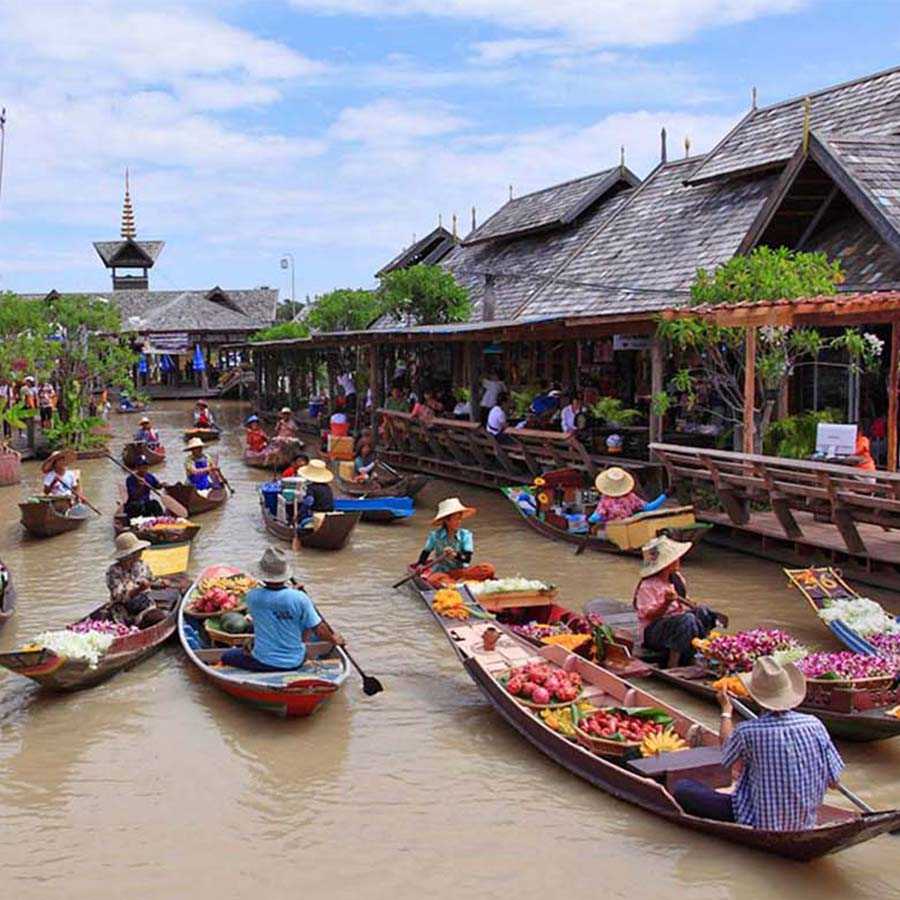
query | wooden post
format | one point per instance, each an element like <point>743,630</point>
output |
<point>749,387</point>
<point>474,352</point>
<point>657,375</point>
<point>893,386</point>
<point>376,383</point>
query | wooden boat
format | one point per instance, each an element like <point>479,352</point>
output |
<point>289,694</point>
<point>645,783</point>
<point>333,533</point>
<point>278,455</point>
<point>175,535</point>
<point>47,517</point>
<point>127,411</point>
<point>133,451</point>
<point>382,510</point>
<point>61,673</point>
<point>672,521</point>
<point>193,501</point>
<point>386,486</point>
<point>205,434</point>
<point>93,453</point>
<point>7,597</point>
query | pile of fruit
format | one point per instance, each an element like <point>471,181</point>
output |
<point>666,741</point>
<point>449,603</point>
<point>616,724</point>
<point>845,666</point>
<point>542,683</point>
<point>538,631</point>
<point>738,652</point>
<point>221,594</point>
<point>101,626</point>
<point>562,720</point>
<point>732,684</point>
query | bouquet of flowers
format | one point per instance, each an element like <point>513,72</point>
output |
<point>738,652</point>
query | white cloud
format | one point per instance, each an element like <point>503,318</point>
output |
<point>388,121</point>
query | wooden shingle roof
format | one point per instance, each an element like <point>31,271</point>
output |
<point>766,137</point>
<point>428,251</point>
<point>109,251</point>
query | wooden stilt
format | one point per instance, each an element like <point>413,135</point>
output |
<point>893,386</point>
<point>749,387</point>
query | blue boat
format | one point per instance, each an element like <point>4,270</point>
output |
<point>377,509</point>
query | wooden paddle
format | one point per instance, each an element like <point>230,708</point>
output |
<point>222,477</point>
<point>170,503</point>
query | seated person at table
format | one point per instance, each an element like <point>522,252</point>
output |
<point>141,502</point>
<point>669,622</point>
<point>862,454</point>
<point>200,471</point>
<point>203,417</point>
<point>784,760</point>
<point>293,470</point>
<point>129,581</point>
<point>448,551</point>
<point>281,616</point>
<point>257,439</point>
<point>147,434</point>
<point>618,498</point>
<point>365,461</point>
<point>318,499</point>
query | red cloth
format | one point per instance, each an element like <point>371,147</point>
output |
<point>340,429</point>
<point>864,450</point>
<point>256,440</point>
<point>481,572</point>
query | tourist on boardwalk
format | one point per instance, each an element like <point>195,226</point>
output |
<point>203,417</point>
<point>59,479</point>
<point>397,402</point>
<point>497,422</point>
<point>286,427</point>
<point>129,581</point>
<point>282,616</point>
<point>449,548</point>
<point>569,417</point>
<point>493,388</point>
<point>140,501</point>
<point>318,498</point>
<point>669,622</point>
<point>147,434</point>
<point>257,440</point>
<point>784,760</point>
<point>200,471</point>
<point>46,403</point>
<point>618,498</point>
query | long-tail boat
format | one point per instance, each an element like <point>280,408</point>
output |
<point>382,510</point>
<point>332,534</point>
<point>386,485</point>
<point>58,672</point>
<point>279,454</point>
<point>195,502</point>
<point>295,693</point>
<point>646,783</point>
<point>134,450</point>
<point>7,595</point>
<point>173,533</point>
<point>48,516</point>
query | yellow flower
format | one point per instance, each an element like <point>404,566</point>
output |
<point>539,482</point>
<point>543,498</point>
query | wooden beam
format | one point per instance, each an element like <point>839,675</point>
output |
<point>817,218</point>
<point>749,387</point>
<point>657,376</point>
<point>893,386</point>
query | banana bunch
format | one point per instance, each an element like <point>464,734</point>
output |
<point>662,742</point>
<point>234,585</point>
<point>449,603</point>
<point>562,720</point>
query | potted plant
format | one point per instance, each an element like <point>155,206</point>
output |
<point>13,417</point>
<point>611,411</point>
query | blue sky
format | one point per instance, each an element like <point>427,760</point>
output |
<point>338,129</point>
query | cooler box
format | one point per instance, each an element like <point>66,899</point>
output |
<point>340,447</point>
<point>270,492</point>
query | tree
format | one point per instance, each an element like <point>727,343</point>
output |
<point>344,309</point>
<point>715,376</point>
<point>427,295</point>
<point>282,331</point>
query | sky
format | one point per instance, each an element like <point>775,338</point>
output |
<point>337,130</point>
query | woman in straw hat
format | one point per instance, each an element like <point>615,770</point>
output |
<point>203,417</point>
<point>147,434</point>
<point>669,621</point>
<point>201,472</point>
<point>59,479</point>
<point>281,616</point>
<point>286,427</point>
<point>129,581</point>
<point>784,760</point>
<point>618,498</point>
<point>318,496</point>
<point>452,546</point>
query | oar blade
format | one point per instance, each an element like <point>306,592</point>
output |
<point>372,686</point>
<point>173,506</point>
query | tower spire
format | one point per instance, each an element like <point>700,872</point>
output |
<point>128,230</point>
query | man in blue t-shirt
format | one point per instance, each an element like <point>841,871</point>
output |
<point>281,616</point>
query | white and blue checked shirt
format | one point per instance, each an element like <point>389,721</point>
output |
<point>789,761</point>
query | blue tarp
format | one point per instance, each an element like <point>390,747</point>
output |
<point>199,362</point>
<point>401,507</point>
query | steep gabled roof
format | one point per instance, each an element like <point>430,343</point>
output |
<point>644,258</point>
<point>113,251</point>
<point>550,208</point>
<point>428,251</point>
<point>766,137</point>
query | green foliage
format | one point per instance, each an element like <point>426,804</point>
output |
<point>795,436</point>
<point>767,274</point>
<point>15,417</point>
<point>611,411</point>
<point>521,401</point>
<point>661,403</point>
<point>428,295</point>
<point>344,309</point>
<point>282,331</point>
<point>78,432</point>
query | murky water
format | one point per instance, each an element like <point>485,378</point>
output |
<point>155,784</point>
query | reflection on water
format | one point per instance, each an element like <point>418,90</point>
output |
<point>160,785</point>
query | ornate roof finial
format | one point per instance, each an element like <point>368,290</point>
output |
<point>455,235</point>
<point>622,156</point>
<point>510,192</point>
<point>473,218</point>
<point>753,97</point>
<point>440,220</point>
<point>663,153</point>
<point>687,146</point>
<point>807,112</point>
<point>128,229</point>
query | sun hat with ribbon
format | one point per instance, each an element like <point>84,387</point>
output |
<point>193,444</point>
<point>127,544</point>
<point>661,552</point>
<point>68,455</point>
<point>316,470</point>
<point>273,567</point>
<point>614,482</point>
<point>450,507</point>
<point>774,686</point>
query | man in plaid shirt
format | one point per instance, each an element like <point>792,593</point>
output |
<point>785,760</point>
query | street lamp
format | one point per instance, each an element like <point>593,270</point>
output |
<point>2,144</point>
<point>287,259</point>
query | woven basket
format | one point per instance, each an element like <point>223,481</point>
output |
<point>604,746</point>
<point>225,637</point>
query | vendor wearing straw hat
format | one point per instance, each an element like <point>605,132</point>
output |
<point>618,498</point>
<point>129,581</point>
<point>257,440</point>
<point>140,501</point>
<point>147,434</point>
<point>281,616</point>
<point>198,466</point>
<point>784,760</point>
<point>318,496</point>
<point>451,545</point>
<point>286,427</point>
<point>203,417</point>
<point>669,621</point>
<point>59,479</point>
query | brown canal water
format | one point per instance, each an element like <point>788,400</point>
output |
<point>155,784</point>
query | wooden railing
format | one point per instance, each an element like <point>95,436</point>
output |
<point>840,494</point>
<point>465,451</point>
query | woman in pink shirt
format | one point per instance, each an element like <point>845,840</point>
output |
<point>618,498</point>
<point>669,621</point>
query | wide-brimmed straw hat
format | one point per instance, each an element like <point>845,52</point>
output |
<point>661,552</point>
<point>614,482</point>
<point>143,419</point>
<point>273,567</point>
<point>774,686</point>
<point>193,444</point>
<point>69,455</point>
<point>450,507</point>
<point>316,470</point>
<point>284,409</point>
<point>127,544</point>
<point>201,403</point>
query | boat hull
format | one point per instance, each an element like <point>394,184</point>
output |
<point>194,502</point>
<point>45,519</point>
<point>132,452</point>
<point>274,457</point>
<point>404,486</point>
<point>205,434</point>
<point>7,601</point>
<point>332,535</point>
<point>155,536</point>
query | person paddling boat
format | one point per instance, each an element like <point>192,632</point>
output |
<point>286,427</point>
<point>129,581</point>
<point>140,501</point>
<point>59,479</point>
<point>147,434</point>
<point>257,439</point>
<point>203,417</point>
<point>318,497</point>
<point>201,472</point>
